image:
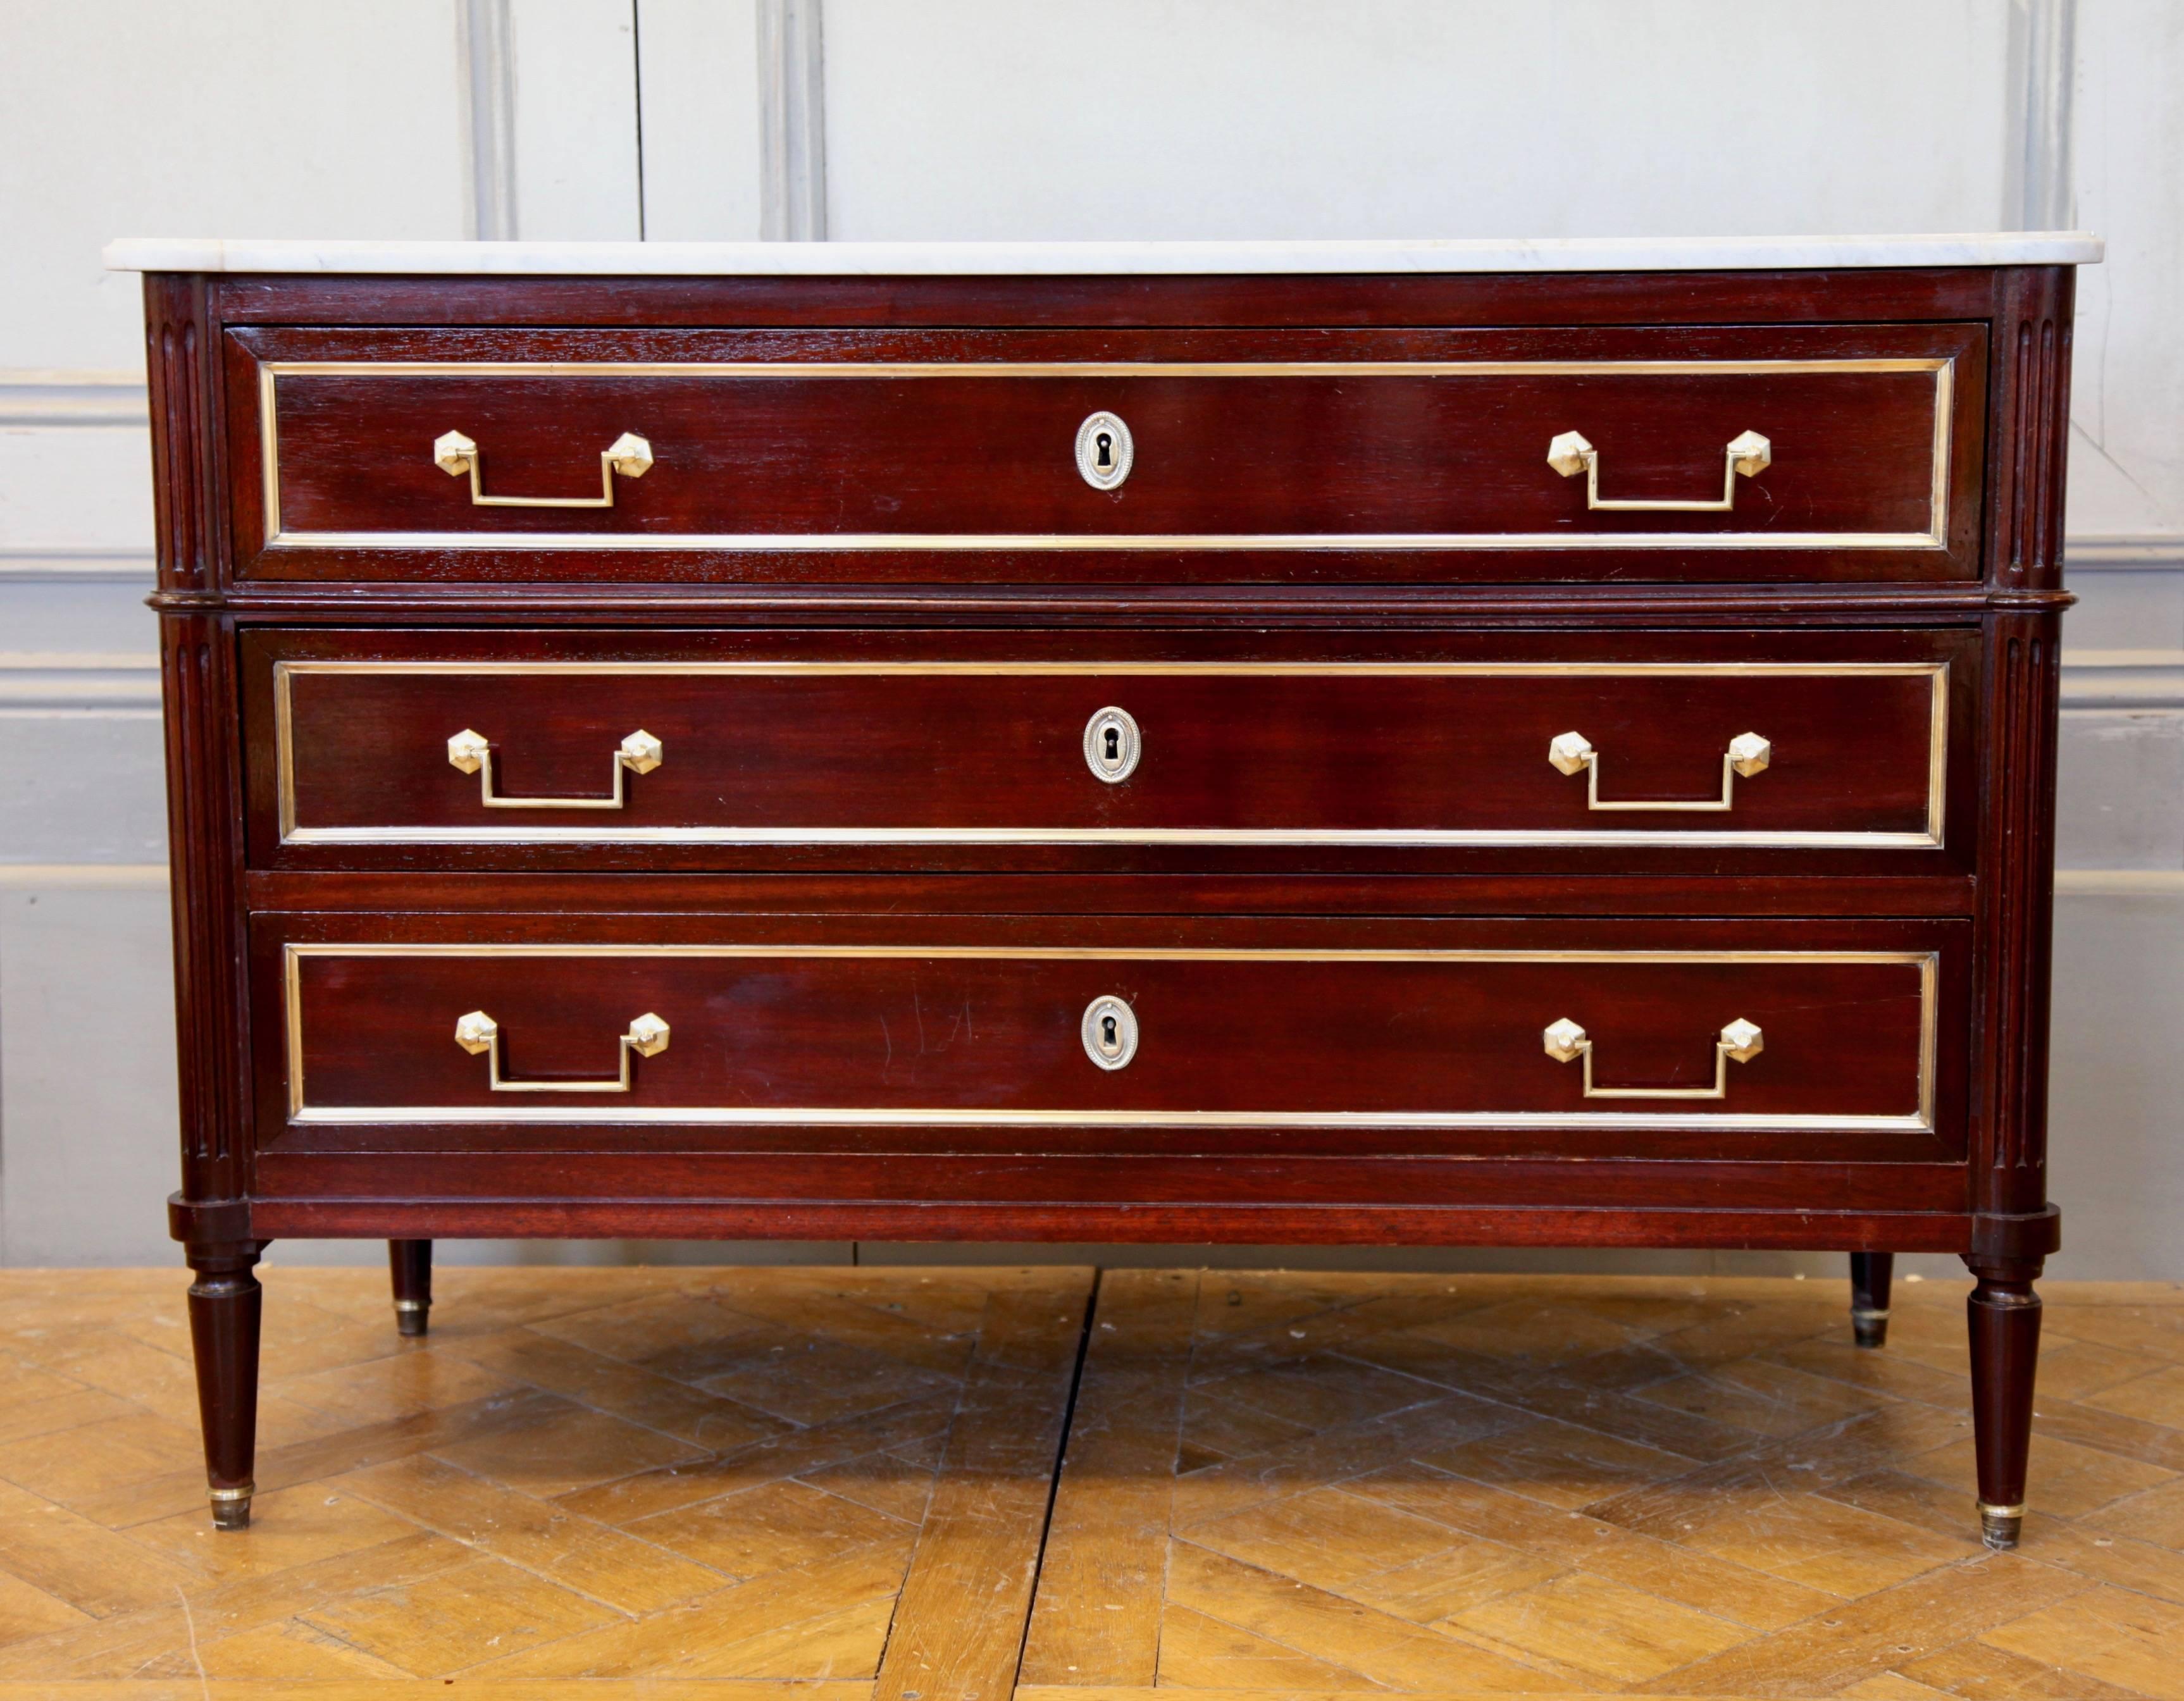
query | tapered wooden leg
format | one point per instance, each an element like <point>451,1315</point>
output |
<point>2004,1314</point>
<point>410,1262</point>
<point>224,1318</point>
<point>1870,1273</point>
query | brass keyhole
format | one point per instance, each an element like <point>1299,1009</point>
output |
<point>1112,745</point>
<point>1102,450</point>
<point>1109,1032</point>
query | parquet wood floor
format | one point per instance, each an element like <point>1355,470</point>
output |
<point>840,1484</point>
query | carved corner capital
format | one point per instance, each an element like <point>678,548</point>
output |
<point>2007,1240</point>
<point>211,1225</point>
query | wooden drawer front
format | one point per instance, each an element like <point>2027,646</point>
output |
<point>809,752</point>
<point>1532,447</point>
<point>987,1035</point>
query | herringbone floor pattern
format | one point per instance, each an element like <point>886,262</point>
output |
<point>737,1484</point>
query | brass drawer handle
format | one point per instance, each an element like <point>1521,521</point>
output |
<point>628,454</point>
<point>1566,1042</point>
<point>1747,452</point>
<point>479,1032</point>
<point>1747,755</point>
<point>640,754</point>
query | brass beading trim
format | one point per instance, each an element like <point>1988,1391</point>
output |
<point>300,1110</point>
<point>293,831</point>
<point>1936,537</point>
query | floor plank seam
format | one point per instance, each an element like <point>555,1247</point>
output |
<point>1060,1460</point>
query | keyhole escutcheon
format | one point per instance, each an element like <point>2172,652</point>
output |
<point>1110,1032</point>
<point>1105,451</point>
<point>1112,745</point>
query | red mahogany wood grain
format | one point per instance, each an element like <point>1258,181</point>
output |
<point>1266,452</point>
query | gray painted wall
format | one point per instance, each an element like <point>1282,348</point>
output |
<point>968,117</point>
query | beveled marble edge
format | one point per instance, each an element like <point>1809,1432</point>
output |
<point>890,259</point>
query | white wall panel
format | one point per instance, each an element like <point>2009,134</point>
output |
<point>143,116</point>
<point>2116,1141</point>
<point>2121,789</point>
<point>75,486</point>
<point>2127,394</point>
<point>1439,117</point>
<point>574,74</point>
<point>87,1055</point>
<point>699,62</point>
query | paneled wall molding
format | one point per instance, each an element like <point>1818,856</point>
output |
<point>2123,678</point>
<point>2153,551</point>
<point>64,680</point>
<point>2120,882</point>
<point>792,109</point>
<point>43,397</point>
<point>38,564</point>
<point>2040,192</point>
<point>486,54</point>
<point>130,876</point>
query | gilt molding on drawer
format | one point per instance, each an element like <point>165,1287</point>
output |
<point>1098,531</point>
<point>386,1057</point>
<point>602,826</point>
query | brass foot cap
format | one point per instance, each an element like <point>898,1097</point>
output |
<point>412,1320</point>
<point>230,1508</point>
<point>2000,1526</point>
<point>1869,1328</point>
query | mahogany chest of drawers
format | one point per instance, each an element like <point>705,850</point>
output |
<point>1354,747</point>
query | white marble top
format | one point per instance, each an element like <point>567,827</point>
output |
<point>887,260</point>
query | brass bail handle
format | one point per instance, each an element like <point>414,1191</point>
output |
<point>478,1033</point>
<point>1739,1042</point>
<point>1747,455</point>
<point>471,752</point>
<point>1748,755</point>
<point>628,455</point>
